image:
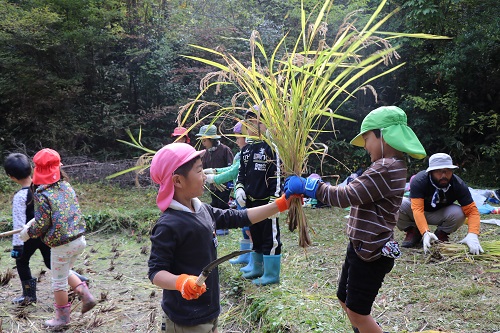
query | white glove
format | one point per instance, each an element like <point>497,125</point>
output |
<point>241,197</point>
<point>23,235</point>
<point>428,236</point>
<point>472,242</point>
<point>209,171</point>
<point>210,178</point>
<point>30,222</point>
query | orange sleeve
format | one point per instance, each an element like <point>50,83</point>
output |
<point>472,214</point>
<point>417,206</point>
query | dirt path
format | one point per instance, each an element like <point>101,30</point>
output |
<point>117,268</point>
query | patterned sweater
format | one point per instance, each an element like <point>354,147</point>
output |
<point>375,198</point>
<point>58,218</point>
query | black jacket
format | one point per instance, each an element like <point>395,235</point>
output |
<point>183,243</point>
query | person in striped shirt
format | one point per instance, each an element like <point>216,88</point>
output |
<point>374,197</point>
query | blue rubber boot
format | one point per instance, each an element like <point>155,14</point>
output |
<point>272,267</point>
<point>257,266</point>
<point>249,266</point>
<point>245,244</point>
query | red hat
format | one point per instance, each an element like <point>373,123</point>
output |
<point>47,167</point>
<point>179,131</point>
<point>163,165</point>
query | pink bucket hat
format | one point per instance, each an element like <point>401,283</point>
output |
<point>163,165</point>
<point>179,131</point>
<point>47,167</point>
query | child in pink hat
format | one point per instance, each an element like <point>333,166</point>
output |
<point>180,134</point>
<point>184,241</point>
<point>59,223</point>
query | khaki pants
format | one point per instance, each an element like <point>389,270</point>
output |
<point>447,219</point>
<point>168,326</point>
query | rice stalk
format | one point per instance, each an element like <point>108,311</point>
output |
<point>445,252</point>
<point>299,89</point>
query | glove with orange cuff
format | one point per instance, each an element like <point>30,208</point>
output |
<point>186,285</point>
<point>283,203</point>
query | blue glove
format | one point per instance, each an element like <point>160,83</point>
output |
<point>17,251</point>
<point>300,185</point>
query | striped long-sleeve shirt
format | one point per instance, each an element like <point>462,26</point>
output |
<point>375,198</point>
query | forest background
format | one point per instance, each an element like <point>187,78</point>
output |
<point>76,74</point>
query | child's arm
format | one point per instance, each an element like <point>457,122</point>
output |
<point>229,174</point>
<point>165,280</point>
<point>257,214</point>
<point>185,284</point>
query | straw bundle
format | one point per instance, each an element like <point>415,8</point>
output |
<point>296,88</point>
<point>460,252</point>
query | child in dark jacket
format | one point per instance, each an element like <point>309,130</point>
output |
<point>259,183</point>
<point>184,239</point>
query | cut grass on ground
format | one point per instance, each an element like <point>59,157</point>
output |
<point>419,294</point>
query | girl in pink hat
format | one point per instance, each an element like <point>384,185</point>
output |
<point>59,223</point>
<point>184,241</point>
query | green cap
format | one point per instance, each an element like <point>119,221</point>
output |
<point>208,132</point>
<point>392,122</point>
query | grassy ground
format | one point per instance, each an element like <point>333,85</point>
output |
<point>419,294</point>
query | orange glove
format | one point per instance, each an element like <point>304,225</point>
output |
<point>283,203</point>
<point>188,288</point>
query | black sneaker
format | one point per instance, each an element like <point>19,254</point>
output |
<point>413,237</point>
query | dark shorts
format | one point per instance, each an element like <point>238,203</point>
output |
<point>360,281</point>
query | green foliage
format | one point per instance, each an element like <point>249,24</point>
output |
<point>75,74</point>
<point>139,221</point>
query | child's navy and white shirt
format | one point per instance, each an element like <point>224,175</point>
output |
<point>22,212</point>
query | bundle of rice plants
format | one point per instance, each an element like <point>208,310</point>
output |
<point>295,88</point>
<point>460,252</point>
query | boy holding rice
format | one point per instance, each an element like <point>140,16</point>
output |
<point>375,198</point>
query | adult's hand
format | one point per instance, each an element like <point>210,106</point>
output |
<point>472,242</point>
<point>428,237</point>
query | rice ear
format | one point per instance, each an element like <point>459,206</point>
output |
<point>300,87</point>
